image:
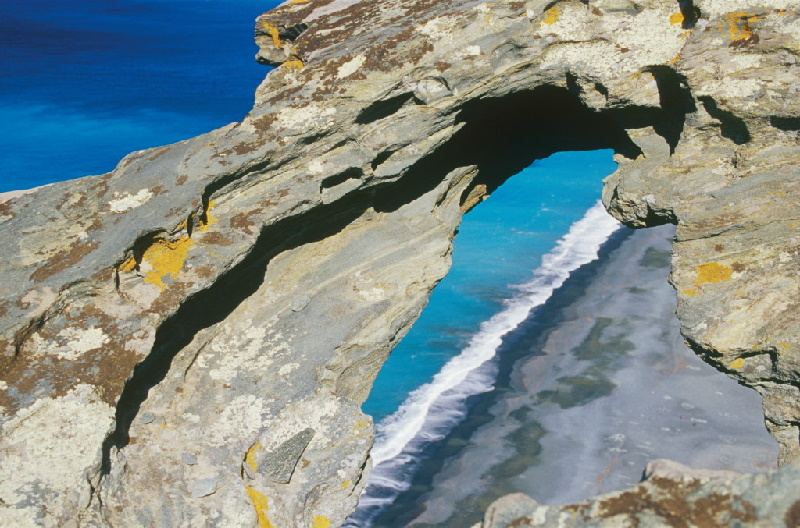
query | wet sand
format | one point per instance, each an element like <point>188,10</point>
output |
<point>594,385</point>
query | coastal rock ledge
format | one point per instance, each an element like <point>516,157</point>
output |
<point>186,341</point>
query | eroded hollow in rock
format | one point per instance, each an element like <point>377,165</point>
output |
<point>503,135</point>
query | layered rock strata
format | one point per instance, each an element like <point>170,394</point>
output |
<point>188,338</point>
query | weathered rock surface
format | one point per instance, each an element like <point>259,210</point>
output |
<point>689,500</point>
<point>187,340</point>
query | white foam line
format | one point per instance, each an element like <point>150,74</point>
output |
<point>432,410</point>
<point>578,247</point>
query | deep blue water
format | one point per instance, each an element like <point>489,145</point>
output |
<point>83,83</point>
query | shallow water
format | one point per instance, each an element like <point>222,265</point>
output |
<point>592,386</point>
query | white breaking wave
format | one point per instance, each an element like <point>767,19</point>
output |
<point>432,410</point>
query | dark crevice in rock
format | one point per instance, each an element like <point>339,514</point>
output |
<point>225,181</point>
<point>312,137</point>
<point>573,86</point>
<point>384,108</point>
<point>233,179</point>
<point>214,304</point>
<point>551,5</point>
<point>633,116</point>
<point>348,174</point>
<point>789,124</point>
<point>601,89</point>
<point>502,136</point>
<point>291,32</point>
<point>380,158</point>
<point>676,101</point>
<point>144,241</point>
<point>690,13</point>
<point>731,127</point>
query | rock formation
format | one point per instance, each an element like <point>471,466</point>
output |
<point>188,338</point>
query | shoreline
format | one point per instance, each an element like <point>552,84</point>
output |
<point>592,386</point>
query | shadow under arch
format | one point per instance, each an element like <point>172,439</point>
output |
<point>503,135</point>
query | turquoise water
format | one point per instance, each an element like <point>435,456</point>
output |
<point>511,254</point>
<point>499,244</point>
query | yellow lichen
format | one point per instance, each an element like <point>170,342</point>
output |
<point>346,484</point>
<point>712,272</point>
<point>320,521</point>
<point>361,424</point>
<point>676,18</point>
<point>293,64</point>
<point>691,292</point>
<point>550,16</point>
<point>274,32</point>
<point>736,363</point>
<point>250,457</point>
<point>128,265</point>
<point>166,257</point>
<point>261,505</point>
<point>293,2</point>
<point>739,25</point>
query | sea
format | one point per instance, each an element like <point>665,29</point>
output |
<point>83,83</point>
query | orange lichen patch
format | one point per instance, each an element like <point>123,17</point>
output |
<point>320,521</point>
<point>712,272</point>
<point>736,363</point>
<point>739,25</point>
<point>550,16</point>
<point>261,505</point>
<point>166,257</point>
<point>250,457</point>
<point>676,18</point>
<point>293,64</point>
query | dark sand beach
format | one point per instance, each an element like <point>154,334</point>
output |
<point>595,384</point>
